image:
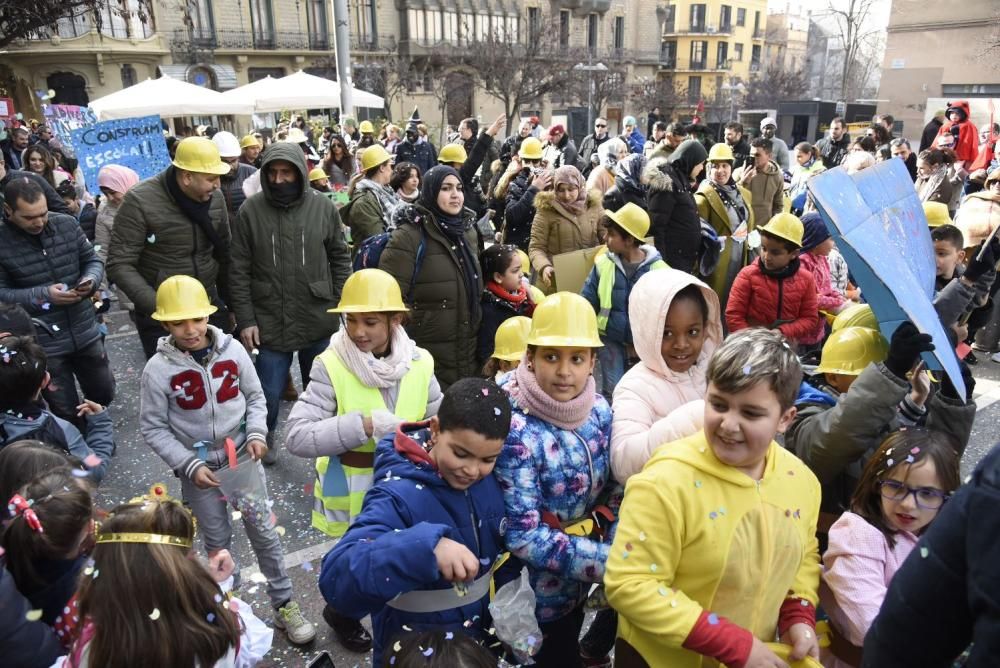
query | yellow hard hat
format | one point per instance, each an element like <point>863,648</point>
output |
<point>531,149</point>
<point>295,136</point>
<point>453,153</point>
<point>848,351</point>
<point>199,154</point>
<point>564,320</point>
<point>721,152</point>
<point>182,298</point>
<point>511,339</point>
<point>536,295</point>
<point>249,141</point>
<point>786,226</point>
<point>366,127</point>
<point>857,315</point>
<point>373,156</point>
<point>370,291</point>
<point>315,174</point>
<point>936,214</point>
<point>632,218</point>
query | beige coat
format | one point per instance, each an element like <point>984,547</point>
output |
<point>555,230</point>
<point>652,404</point>
<point>767,189</point>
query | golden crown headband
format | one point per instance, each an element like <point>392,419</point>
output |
<point>158,493</point>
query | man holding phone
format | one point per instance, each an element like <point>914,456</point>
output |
<point>48,266</point>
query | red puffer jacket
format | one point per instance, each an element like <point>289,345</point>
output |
<point>787,302</point>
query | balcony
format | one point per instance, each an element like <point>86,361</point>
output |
<point>205,39</point>
<point>758,33</point>
<point>755,66</point>
<point>373,43</point>
<point>695,66</point>
<point>698,29</point>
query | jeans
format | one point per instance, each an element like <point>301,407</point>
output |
<point>272,367</point>
<point>90,366</point>
<point>613,362</point>
<point>210,508</point>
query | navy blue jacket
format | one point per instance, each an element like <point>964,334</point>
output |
<point>495,311</point>
<point>23,643</point>
<point>618,329</point>
<point>389,549</point>
<point>947,592</point>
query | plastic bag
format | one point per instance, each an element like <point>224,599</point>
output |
<point>245,488</point>
<point>513,611</point>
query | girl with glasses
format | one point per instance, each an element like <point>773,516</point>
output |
<point>901,491</point>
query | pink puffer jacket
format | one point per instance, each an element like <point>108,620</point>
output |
<point>652,404</point>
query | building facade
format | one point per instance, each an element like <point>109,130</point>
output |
<point>935,52</point>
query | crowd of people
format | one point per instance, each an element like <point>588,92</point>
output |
<point>708,441</point>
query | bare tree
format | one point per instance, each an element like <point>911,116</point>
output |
<point>598,87</point>
<point>857,38</point>
<point>516,70</point>
<point>646,93</point>
<point>21,19</point>
<point>775,85</point>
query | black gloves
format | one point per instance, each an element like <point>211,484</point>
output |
<point>988,262</point>
<point>906,345</point>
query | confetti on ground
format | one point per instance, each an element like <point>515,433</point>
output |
<point>33,615</point>
<point>155,614</point>
<point>258,577</point>
<point>307,566</point>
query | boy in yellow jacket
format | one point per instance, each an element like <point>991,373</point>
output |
<point>715,554</point>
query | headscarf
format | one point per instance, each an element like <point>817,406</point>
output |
<point>628,173</point>
<point>430,186</point>
<point>608,152</point>
<point>685,157</point>
<point>571,176</point>
<point>117,178</point>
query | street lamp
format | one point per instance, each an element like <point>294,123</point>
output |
<point>599,67</point>
<point>735,87</point>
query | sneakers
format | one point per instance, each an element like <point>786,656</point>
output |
<point>970,359</point>
<point>349,631</point>
<point>995,357</point>
<point>981,349</point>
<point>290,620</point>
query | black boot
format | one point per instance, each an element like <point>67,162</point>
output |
<point>349,631</point>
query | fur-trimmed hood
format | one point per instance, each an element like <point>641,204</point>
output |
<point>546,201</point>
<point>657,175</point>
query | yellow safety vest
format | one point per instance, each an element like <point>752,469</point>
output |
<point>340,489</point>
<point>605,286</point>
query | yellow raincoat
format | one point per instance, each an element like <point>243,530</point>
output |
<point>696,535</point>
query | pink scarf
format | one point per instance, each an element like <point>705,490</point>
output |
<point>117,178</point>
<point>531,398</point>
<point>571,176</point>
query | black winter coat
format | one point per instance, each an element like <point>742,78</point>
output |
<point>30,263</point>
<point>946,595</point>
<point>88,220</point>
<point>469,172</point>
<point>618,196</point>
<point>929,134</point>
<point>519,210</point>
<point>495,311</point>
<point>673,212</point>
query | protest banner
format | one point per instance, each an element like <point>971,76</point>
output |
<point>62,119</point>
<point>133,142</point>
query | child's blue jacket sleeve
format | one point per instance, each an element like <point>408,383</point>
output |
<point>100,441</point>
<point>589,291</point>
<point>380,557</point>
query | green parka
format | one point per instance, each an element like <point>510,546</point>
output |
<point>289,263</point>
<point>444,318</point>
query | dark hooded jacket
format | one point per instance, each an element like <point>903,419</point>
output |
<point>673,212</point>
<point>289,261</point>
<point>628,187</point>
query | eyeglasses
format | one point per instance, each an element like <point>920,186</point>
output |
<point>927,498</point>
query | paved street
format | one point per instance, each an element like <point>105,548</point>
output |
<point>136,468</point>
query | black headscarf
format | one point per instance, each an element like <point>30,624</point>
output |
<point>691,152</point>
<point>430,186</point>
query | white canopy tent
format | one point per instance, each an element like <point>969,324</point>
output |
<point>298,91</point>
<point>168,98</point>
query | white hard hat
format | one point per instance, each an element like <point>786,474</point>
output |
<point>228,144</point>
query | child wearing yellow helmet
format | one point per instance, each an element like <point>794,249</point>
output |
<point>555,470</point>
<point>504,296</point>
<point>370,380</point>
<point>509,346</point>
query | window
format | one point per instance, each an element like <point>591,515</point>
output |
<point>698,48</point>
<point>319,36</point>
<point>738,52</point>
<point>755,58</point>
<point>698,18</point>
<point>741,17</point>
<point>721,54</point>
<point>415,22</point>
<point>362,13</point>
<point>756,25</point>
<point>592,33</point>
<point>534,23</point>
<point>564,28</point>
<point>619,36</point>
<point>668,23</point>
<point>202,24</point>
<point>694,89</point>
<point>434,17</point>
<point>262,22</point>
<point>113,23</point>
<point>512,27</point>
<point>725,18</point>
<point>668,54</point>
<point>128,76</point>
<point>258,73</point>
<point>450,32</point>
<point>718,87</point>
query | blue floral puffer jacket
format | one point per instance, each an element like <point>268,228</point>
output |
<point>544,468</point>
